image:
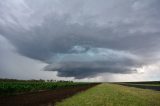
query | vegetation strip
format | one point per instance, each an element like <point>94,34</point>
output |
<point>12,87</point>
<point>43,98</point>
<point>114,95</point>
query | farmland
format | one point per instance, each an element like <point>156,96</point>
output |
<point>68,93</point>
<point>16,87</point>
<point>38,92</point>
<point>154,85</point>
<point>114,95</point>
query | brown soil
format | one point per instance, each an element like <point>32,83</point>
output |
<point>43,98</point>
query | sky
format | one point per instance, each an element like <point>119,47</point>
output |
<point>80,40</point>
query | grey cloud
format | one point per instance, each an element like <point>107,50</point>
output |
<point>58,37</point>
<point>89,69</point>
<point>93,62</point>
<point>56,30</point>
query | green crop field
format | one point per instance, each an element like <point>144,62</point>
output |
<point>114,95</point>
<point>14,87</point>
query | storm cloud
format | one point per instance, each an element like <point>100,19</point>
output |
<point>84,38</point>
<point>94,61</point>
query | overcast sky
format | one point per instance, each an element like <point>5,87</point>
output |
<point>82,40</point>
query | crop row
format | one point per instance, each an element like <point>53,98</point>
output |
<point>18,87</point>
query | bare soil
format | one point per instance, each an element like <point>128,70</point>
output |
<point>42,98</point>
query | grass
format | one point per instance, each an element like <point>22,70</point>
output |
<point>113,95</point>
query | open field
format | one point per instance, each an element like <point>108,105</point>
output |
<point>67,93</point>
<point>38,92</point>
<point>42,98</point>
<point>114,95</point>
<point>149,83</point>
<point>154,85</point>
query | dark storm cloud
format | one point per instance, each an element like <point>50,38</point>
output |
<point>58,32</point>
<point>58,37</point>
<point>93,61</point>
<point>91,69</point>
